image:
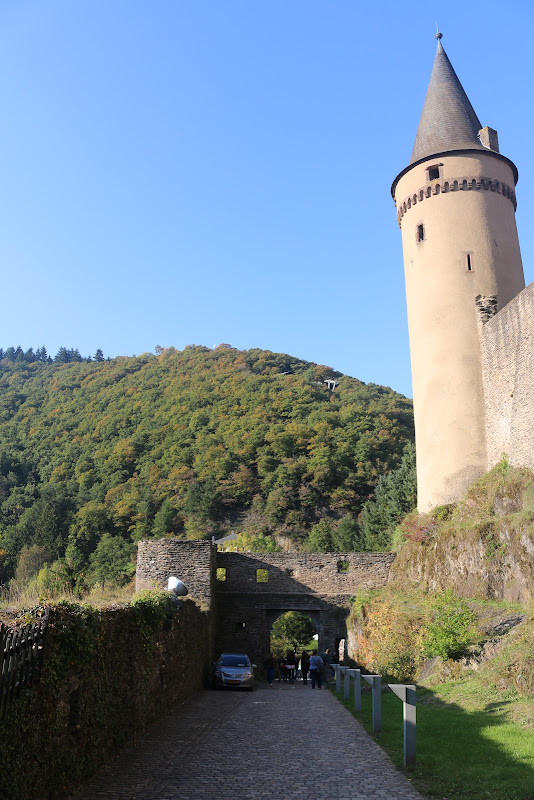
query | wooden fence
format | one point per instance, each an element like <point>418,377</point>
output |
<point>21,658</point>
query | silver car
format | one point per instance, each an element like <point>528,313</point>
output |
<point>234,669</point>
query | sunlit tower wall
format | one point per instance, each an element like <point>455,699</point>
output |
<point>456,210</point>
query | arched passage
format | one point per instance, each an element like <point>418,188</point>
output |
<point>294,631</point>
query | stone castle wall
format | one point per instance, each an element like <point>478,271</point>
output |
<point>191,562</point>
<point>303,573</point>
<point>507,348</point>
<point>244,605</point>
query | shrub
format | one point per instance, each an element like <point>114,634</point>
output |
<point>417,527</point>
<point>390,643</point>
<point>451,630</point>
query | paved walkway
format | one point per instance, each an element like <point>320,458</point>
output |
<point>280,743</point>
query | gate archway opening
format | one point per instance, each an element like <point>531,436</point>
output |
<point>293,631</point>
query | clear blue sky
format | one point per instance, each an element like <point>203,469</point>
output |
<point>204,171</point>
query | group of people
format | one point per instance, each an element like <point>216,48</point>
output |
<point>290,667</point>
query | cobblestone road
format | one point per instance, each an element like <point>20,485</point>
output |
<point>281,743</point>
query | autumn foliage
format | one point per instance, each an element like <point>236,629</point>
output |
<point>189,443</point>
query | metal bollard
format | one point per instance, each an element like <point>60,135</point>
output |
<point>406,692</point>
<point>337,670</point>
<point>356,674</point>
<point>375,682</point>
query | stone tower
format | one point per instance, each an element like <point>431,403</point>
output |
<point>456,210</point>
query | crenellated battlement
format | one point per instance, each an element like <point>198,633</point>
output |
<point>462,184</point>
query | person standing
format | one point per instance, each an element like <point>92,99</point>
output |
<point>270,665</point>
<point>291,665</point>
<point>316,670</point>
<point>304,666</point>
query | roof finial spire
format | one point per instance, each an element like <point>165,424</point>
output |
<point>438,34</point>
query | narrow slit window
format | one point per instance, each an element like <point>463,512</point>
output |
<point>469,262</point>
<point>420,233</point>
<point>221,573</point>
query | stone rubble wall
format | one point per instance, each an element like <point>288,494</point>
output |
<point>191,562</point>
<point>507,348</point>
<point>303,573</point>
<point>245,606</point>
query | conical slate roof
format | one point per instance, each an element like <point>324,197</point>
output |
<point>448,121</point>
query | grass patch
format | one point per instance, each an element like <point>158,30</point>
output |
<point>471,741</point>
<point>12,602</point>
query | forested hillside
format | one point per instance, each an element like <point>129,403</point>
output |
<point>96,455</point>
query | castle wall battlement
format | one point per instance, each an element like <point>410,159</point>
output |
<point>507,349</point>
<point>462,184</point>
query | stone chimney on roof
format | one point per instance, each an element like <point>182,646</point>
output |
<point>489,138</point>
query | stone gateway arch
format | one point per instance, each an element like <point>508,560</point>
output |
<point>246,592</point>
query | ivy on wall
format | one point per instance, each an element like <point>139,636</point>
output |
<point>106,676</point>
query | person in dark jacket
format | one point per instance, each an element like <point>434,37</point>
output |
<point>291,665</point>
<point>304,666</point>
<point>270,665</point>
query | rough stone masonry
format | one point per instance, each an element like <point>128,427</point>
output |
<point>247,592</point>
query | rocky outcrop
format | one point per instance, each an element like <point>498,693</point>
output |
<point>493,561</point>
<point>484,547</point>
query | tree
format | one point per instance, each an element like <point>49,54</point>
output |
<point>99,356</point>
<point>202,500</point>
<point>62,356</point>
<point>30,561</point>
<point>90,525</point>
<point>50,529</point>
<point>321,538</point>
<point>395,496</point>
<point>111,562</point>
<point>69,572</point>
<point>293,629</point>
<point>347,537</point>
<point>165,519</point>
<point>250,542</point>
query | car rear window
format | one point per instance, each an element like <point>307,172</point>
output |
<point>234,661</point>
